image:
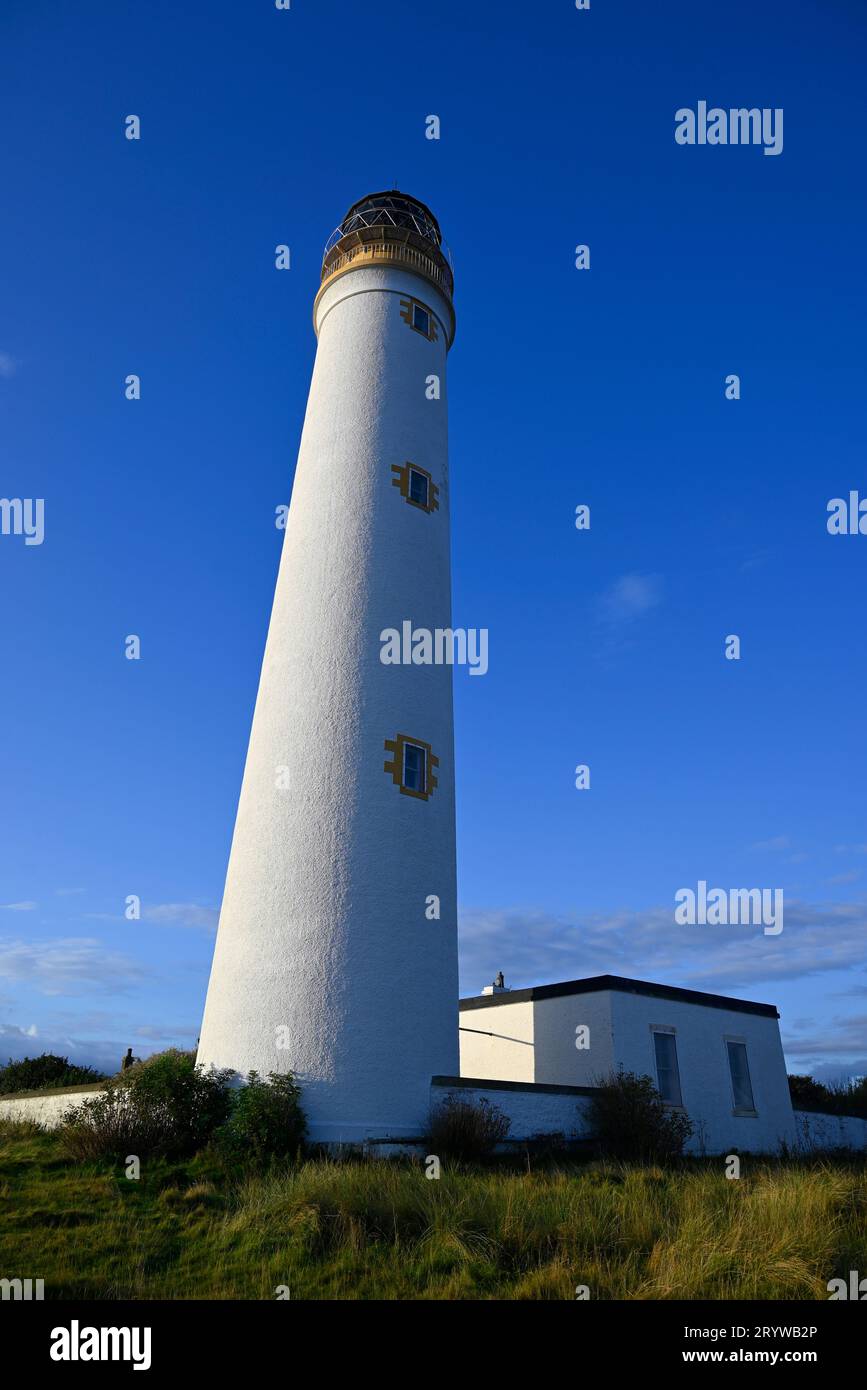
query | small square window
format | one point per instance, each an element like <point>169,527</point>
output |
<point>421,319</point>
<point>739,1067</point>
<point>414,768</point>
<point>667,1074</point>
<point>418,487</point>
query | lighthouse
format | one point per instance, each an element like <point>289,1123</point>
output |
<point>336,952</point>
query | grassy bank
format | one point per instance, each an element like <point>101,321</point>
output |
<point>379,1230</point>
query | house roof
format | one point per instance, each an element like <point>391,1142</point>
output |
<point>622,986</point>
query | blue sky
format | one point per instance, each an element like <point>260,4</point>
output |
<point>604,387</point>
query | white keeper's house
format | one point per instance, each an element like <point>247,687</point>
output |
<point>717,1058</point>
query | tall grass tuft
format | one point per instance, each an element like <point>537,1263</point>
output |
<point>461,1130</point>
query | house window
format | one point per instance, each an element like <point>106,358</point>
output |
<point>418,487</point>
<point>739,1067</point>
<point>667,1074</point>
<point>421,320</point>
<point>412,766</point>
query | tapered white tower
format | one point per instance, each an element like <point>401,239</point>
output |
<point>331,961</point>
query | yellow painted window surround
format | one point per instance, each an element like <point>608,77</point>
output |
<point>397,765</point>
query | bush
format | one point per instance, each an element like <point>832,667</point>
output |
<point>630,1121</point>
<point>459,1129</point>
<point>45,1073</point>
<point>836,1098</point>
<point>267,1121</point>
<point>163,1106</point>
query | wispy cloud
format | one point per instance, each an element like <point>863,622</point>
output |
<point>166,1034</point>
<point>71,965</point>
<point>18,907</point>
<point>809,1048</point>
<point>778,842</point>
<point>8,365</point>
<point>629,597</point>
<point>168,914</point>
<point>183,915</point>
<point>534,947</point>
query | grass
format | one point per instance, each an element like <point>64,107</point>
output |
<point>368,1229</point>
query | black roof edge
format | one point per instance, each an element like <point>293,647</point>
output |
<point>622,986</point>
<point>479,1083</point>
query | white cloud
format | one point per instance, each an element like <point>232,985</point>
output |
<point>18,907</point>
<point>8,365</point>
<point>72,965</point>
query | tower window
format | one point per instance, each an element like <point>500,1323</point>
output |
<point>414,767</point>
<point>667,1073</point>
<point>419,317</point>
<point>739,1069</point>
<point>416,486</point>
<point>411,766</point>
<point>419,486</point>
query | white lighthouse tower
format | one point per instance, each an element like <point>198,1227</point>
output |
<point>336,955</point>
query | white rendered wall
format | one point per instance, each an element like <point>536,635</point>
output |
<point>47,1109</point>
<point>557,1058</point>
<point>704,1070</point>
<point>323,932</point>
<point>497,1042</point>
<point>532,1113</point>
<point>527,1040</point>
<point>817,1131</point>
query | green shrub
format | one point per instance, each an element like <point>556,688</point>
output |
<point>44,1073</point>
<point>165,1105</point>
<point>459,1129</point>
<point>267,1121</point>
<point>630,1121</point>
